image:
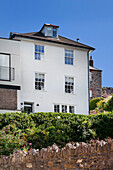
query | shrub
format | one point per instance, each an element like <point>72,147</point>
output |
<point>11,138</point>
<point>109,104</point>
<point>103,125</point>
<point>43,129</point>
<point>100,104</point>
<point>106,104</point>
<point>93,102</point>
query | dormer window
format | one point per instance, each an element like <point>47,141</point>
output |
<point>54,32</point>
<point>50,30</point>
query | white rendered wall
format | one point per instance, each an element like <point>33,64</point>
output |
<point>55,71</point>
<point>12,47</point>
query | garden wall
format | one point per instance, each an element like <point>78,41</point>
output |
<point>74,156</point>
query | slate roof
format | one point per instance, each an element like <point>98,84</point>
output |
<point>40,36</point>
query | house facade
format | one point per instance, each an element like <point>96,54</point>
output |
<point>95,78</point>
<point>44,72</point>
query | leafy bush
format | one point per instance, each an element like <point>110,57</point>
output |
<point>93,102</point>
<point>22,130</point>
<point>106,104</point>
<point>103,125</point>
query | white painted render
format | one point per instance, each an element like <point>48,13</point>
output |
<point>12,47</point>
<point>55,70</point>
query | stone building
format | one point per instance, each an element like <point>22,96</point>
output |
<point>95,78</point>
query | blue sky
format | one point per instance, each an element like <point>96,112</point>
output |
<point>90,20</point>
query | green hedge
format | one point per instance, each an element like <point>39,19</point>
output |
<point>93,102</point>
<point>22,130</point>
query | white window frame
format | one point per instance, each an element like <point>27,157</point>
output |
<point>73,92</point>
<point>55,109</point>
<point>5,67</point>
<point>90,76</point>
<point>41,53</point>
<point>50,32</point>
<point>71,106</point>
<point>40,81</point>
<point>65,108</point>
<point>66,105</point>
<point>90,93</point>
<point>68,57</point>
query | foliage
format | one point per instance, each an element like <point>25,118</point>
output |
<point>106,104</point>
<point>103,125</point>
<point>23,131</point>
<point>93,102</point>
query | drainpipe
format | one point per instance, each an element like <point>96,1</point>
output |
<point>88,83</point>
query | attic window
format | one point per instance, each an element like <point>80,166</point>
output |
<point>54,32</point>
<point>49,31</point>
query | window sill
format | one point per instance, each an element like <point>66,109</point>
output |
<point>5,80</point>
<point>69,65</point>
<point>70,93</point>
<point>40,90</point>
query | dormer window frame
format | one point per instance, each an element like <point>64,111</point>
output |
<point>55,31</point>
<point>50,30</point>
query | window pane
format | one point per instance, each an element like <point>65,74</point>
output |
<point>64,109</point>
<point>39,52</point>
<point>39,81</point>
<point>56,108</point>
<point>71,109</point>
<point>5,70</point>
<point>49,31</point>
<point>69,85</point>
<point>54,32</point>
<point>66,61</point>
<point>69,57</point>
<point>71,61</point>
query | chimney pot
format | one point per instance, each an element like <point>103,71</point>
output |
<point>91,61</point>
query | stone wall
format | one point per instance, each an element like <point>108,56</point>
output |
<point>8,99</point>
<point>74,156</point>
<point>96,83</point>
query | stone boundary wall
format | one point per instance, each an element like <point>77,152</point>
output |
<point>74,156</point>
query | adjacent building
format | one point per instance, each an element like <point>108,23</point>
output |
<point>95,78</point>
<point>44,72</point>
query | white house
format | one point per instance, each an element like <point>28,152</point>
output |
<point>44,72</point>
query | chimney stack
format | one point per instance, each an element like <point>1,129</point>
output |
<point>91,61</point>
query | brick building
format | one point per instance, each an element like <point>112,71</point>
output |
<point>95,78</point>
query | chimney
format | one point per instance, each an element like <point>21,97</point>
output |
<point>77,39</point>
<point>91,61</point>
